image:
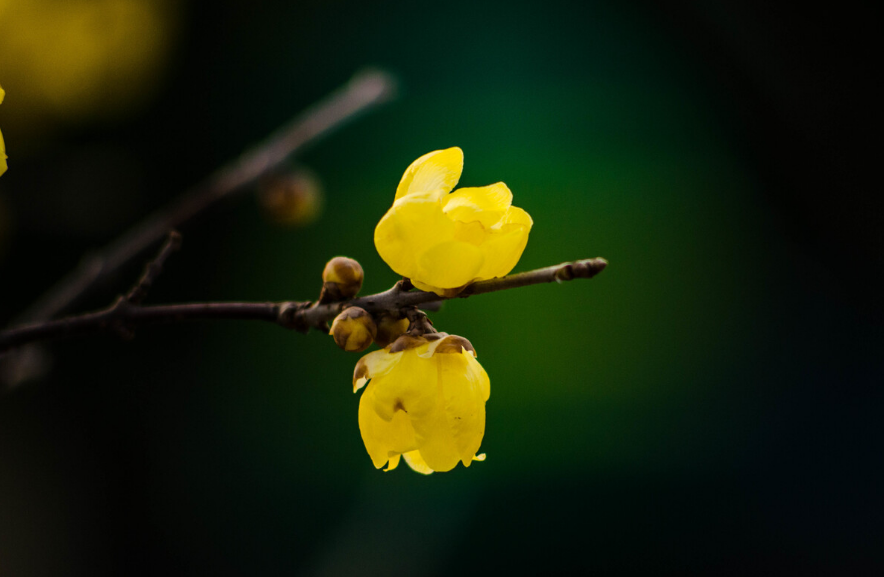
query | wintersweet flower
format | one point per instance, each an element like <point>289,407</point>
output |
<point>443,241</point>
<point>425,401</point>
<point>2,144</point>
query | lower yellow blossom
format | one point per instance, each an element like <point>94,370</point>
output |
<point>445,240</point>
<point>425,401</point>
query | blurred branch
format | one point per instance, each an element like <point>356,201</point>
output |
<point>124,315</point>
<point>361,93</point>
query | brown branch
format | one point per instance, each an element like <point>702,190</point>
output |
<point>153,269</point>
<point>362,92</point>
<point>124,316</point>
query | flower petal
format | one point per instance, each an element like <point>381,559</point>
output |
<point>394,462</point>
<point>372,365</point>
<point>383,439</point>
<point>442,292</point>
<point>515,215</point>
<point>472,232</point>
<point>411,227</point>
<point>450,264</point>
<point>410,388</point>
<point>453,432</point>
<point>478,375</point>
<point>464,386</point>
<point>486,204</point>
<point>503,250</point>
<point>440,169</point>
<point>417,463</point>
<point>450,344</point>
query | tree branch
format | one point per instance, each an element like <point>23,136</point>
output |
<point>153,269</point>
<point>124,316</point>
<point>362,92</point>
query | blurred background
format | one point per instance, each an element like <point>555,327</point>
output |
<point>709,404</point>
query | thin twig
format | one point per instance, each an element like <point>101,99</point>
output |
<point>301,316</point>
<point>153,269</point>
<point>362,92</point>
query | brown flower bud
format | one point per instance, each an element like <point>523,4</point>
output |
<point>293,199</point>
<point>389,329</point>
<point>341,279</point>
<point>353,329</point>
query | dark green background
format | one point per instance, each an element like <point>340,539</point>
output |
<point>710,403</point>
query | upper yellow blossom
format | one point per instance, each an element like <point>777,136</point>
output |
<point>443,241</point>
<point>425,401</point>
<point>2,144</point>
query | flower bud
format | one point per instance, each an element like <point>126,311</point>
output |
<point>389,329</point>
<point>353,329</point>
<point>293,199</point>
<point>341,279</point>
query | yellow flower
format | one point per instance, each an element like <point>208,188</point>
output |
<point>425,401</point>
<point>443,241</point>
<point>2,144</point>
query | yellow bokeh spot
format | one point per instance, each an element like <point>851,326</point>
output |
<point>82,58</point>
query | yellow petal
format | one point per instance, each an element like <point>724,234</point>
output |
<point>393,463</point>
<point>410,228</point>
<point>471,232</point>
<point>450,264</point>
<point>502,250</point>
<point>383,439</point>
<point>486,204</point>
<point>417,463</point>
<point>442,292</point>
<point>373,365</point>
<point>453,432</point>
<point>464,393</point>
<point>410,388</point>
<point>478,375</point>
<point>515,215</point>
<point>436,440</point>
<point>437,170</point>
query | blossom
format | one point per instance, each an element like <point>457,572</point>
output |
<point>443,241</point>
<point>2,144</point>
<point>425,401</point>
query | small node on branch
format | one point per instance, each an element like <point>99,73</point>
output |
<point>341,280</point>
<point>353,330</point>
<point>419,323</point>
<point>290,318</point>
<point>403,285</point>
<point>154,268</point>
